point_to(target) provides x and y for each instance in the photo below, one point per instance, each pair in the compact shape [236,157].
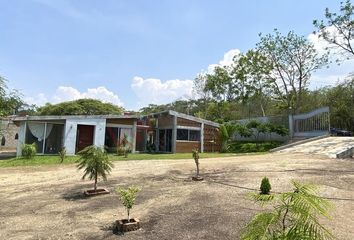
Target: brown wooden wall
[211,134]
[125,121]
[186,146]
[188,123]
[165,121]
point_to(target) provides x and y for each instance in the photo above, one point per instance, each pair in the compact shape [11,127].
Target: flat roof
[56,117]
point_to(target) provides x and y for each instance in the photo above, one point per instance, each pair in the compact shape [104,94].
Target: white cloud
[64,93]
[227,60]
[152,90]
[155,91]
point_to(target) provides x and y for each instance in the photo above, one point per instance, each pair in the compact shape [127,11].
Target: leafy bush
[29,150]
[62,154]
[127,197]
[265,186]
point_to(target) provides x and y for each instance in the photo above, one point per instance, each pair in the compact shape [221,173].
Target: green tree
[10,101]
[95,162]
[127,197]
[80,107]
[338,28]
[254,68]
[293,60]
[295,215]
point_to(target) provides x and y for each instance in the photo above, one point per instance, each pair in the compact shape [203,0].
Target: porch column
[157,140]
[21,138]
[134,136]
[291,126]
[202,138]
[174,134]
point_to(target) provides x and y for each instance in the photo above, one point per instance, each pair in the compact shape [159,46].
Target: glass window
[111,139]
[194,135]
[182,134]
[54,140]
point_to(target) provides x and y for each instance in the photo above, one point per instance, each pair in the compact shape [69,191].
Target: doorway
[165,140]
[84,136]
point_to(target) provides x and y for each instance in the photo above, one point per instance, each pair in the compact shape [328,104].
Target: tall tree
[80,107]
[254,69]
[338,28]
[293,60]
[10,101]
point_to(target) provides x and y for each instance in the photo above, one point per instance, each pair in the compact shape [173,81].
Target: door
[165,138]
[84,136]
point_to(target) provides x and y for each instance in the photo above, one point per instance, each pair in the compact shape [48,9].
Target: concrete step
[333,147]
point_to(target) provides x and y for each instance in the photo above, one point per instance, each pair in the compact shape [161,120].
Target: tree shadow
[74,196]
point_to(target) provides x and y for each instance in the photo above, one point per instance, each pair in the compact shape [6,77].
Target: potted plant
[127,197]
[95,162]
[195,153]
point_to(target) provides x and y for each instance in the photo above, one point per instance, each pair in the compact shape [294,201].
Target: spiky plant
[295,215]
[127,197]
[95,162]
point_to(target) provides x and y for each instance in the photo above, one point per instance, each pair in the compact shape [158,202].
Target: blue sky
[136,52]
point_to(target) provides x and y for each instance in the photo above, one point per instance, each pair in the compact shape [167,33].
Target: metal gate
[313,124]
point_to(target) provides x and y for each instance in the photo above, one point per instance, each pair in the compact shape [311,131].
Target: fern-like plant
[295,216]
[95,162]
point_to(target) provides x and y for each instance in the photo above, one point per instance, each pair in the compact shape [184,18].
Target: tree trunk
[95,184]
[197,168]
[128,210]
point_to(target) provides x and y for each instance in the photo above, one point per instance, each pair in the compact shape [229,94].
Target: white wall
[71,130]
[21,138]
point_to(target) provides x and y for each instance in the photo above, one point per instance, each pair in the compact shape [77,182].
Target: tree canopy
[80,107]
[338,28]
[10,101]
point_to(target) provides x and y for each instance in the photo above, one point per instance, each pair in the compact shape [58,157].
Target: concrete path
[333,147]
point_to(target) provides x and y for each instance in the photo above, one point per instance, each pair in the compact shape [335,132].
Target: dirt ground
[47,202]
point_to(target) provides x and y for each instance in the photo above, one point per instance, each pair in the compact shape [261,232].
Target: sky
[134,52]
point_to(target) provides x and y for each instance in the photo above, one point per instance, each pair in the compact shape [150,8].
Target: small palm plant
[127,197]
[124,143]
[62,154]
[95,162]
[295,215]
[195,153]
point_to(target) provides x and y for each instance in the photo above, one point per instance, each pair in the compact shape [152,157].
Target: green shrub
[127,197]
[29,150]
[248,147]
[265,186]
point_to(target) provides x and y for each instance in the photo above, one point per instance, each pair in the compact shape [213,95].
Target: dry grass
[47,203]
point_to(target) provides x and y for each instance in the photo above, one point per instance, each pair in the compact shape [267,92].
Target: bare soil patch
[48,202]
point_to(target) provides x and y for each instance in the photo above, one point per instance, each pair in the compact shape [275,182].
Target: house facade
[168,132]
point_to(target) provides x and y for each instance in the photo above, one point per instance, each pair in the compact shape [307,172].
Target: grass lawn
[54,159]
